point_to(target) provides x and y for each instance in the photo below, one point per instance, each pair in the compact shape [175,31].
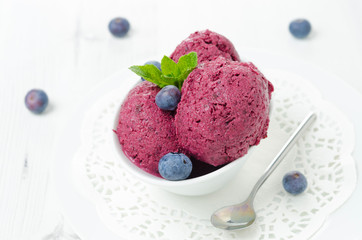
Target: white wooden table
[64,47]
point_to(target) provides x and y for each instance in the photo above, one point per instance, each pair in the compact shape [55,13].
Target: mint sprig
[172,73]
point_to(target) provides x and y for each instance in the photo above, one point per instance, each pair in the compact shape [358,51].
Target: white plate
[82,214]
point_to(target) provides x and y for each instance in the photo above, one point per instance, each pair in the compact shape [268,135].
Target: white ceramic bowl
[202,185]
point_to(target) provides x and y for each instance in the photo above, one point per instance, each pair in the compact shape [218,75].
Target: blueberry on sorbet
[168,98]
[175,166]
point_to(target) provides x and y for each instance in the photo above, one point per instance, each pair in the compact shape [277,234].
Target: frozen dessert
[208,45]
[224,109]
[145,132]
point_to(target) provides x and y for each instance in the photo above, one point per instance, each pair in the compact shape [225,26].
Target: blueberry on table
[36,100]
[294,182]
[155,63]
[300,28]
[175,166]
[119,27]
[168,98]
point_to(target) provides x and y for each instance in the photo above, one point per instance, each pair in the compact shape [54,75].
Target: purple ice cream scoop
[224,109]
[145,132]
[208,45]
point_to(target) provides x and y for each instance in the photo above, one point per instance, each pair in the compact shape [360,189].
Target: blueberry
[156,63]
[294,182]
[175,166]
[36,101]
[300,28]
[168,98]
[118,27]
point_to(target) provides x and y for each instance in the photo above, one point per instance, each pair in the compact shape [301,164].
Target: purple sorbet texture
[224,109]
[208,45]
[145,132]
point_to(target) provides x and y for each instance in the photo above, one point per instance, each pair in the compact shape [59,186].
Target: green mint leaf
[183,76]
[151,73]
[172,73]
[171,80]
[169,67]
[187,62]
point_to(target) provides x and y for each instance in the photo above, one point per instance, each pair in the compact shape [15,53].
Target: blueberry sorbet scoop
[208,45]
[224,109]
[145,132]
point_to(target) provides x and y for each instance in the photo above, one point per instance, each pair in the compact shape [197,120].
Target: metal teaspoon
[243,214]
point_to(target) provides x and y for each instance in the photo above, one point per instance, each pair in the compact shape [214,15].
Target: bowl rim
[148,177]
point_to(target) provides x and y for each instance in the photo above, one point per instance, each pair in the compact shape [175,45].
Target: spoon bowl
[236,216]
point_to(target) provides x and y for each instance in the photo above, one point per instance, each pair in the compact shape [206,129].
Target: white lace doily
[135,210]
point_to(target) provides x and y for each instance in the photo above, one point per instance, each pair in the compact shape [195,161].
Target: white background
[64,47]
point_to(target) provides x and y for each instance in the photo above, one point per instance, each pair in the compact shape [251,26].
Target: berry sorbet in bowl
[203,137]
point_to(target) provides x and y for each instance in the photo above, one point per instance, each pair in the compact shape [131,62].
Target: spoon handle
[283,152]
